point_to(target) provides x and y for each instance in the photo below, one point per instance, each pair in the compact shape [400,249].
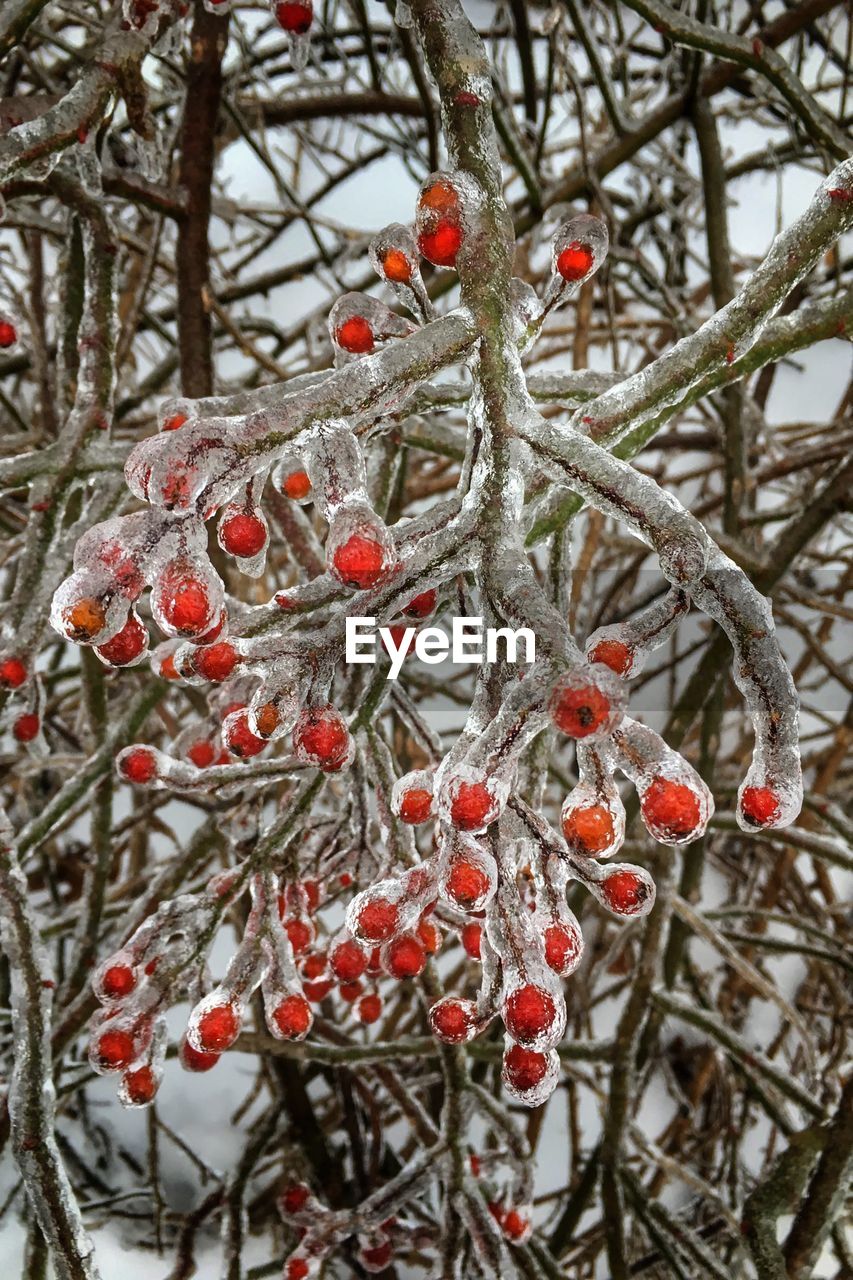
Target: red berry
[297,1269]
[126,645]
[293,1016]
[216,662]
[589,829]
[317,991]
[515,1226]
[396,266]
[562,947]
[314,965]
[377,919]
[139,765]
[140,1085]
[13,673]
[243,535]
[294,16]
[441,196]
[441,245]
[202,754]
[175,422]
[347,960]
[218,1028]
[321,738]
[472,806]
[625,892]
[369,1009]
[613,654]
[575,261]
[378,1256]
[185,601]
[8,334]
[405,957]
[26,727]
[467,884]
[355,335]
[350,991]
[193,1059]
[423,605]
[472,935]
[301,935]
[239,739]
[209,636]
[118,981]
[359,562]
[416,806]
[579,710]
[84,619]
[670,808]
[296,485]
[168,670]
[451,1019]
[115,1050]
[759,805]
[430,936]
[524,1069]
[528,1012]
[294,1198]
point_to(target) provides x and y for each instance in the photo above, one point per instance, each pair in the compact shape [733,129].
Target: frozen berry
[350,991]
[759,806]
[293,1016]
[377,1257]
[217,1028]
[524,1069]
[442,243]
[515,1226]
[423,605]
[115,1050]
[589,829]
[126,646]
[238,737]
[185,601]
[359,562]
[138,765]
[13,673]
[467,884]
[575,261]
[562,948]
[579,710]
[202,754]
[84,619]
[294,1198]
[321,738]
[140,1085]
[396,266]
[377,919]
[613,654]
[347,960]
[416,805]
[117,981]
[405,957]
[670,809]
[529,1012]
[243,535]
[296,1269]
[174,422]
[300,934]
[430,935]
[294,16]
[369,1009]
[193,1059]
[26,727]
[355,335]
[472,936]
[296,485]
[8,334]
[452,1019]
[472,806]
[215,662]
[625,892]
